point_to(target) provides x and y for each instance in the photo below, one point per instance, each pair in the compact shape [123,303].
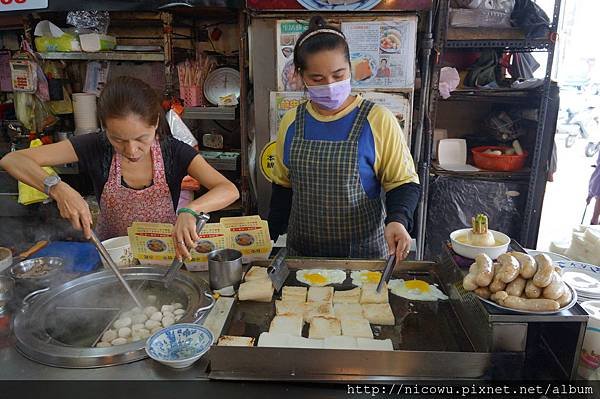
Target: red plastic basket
[500,163]
[192,95]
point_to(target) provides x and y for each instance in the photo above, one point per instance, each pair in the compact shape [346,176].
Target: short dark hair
[124,95]
[318,42]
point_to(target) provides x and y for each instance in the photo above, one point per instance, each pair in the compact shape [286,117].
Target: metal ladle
[104,254]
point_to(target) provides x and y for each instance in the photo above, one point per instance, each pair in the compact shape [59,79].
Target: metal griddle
[429,339]
[61,326]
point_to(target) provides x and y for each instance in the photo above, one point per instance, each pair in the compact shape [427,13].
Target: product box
[152,243]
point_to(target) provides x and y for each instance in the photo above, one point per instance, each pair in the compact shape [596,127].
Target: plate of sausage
[521,283]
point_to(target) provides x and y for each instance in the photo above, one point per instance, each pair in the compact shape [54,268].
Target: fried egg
[320,277]
[359,277]
[417,290]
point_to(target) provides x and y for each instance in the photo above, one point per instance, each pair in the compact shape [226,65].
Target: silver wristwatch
[49,182]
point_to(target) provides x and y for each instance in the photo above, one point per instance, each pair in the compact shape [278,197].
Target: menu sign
[20,5]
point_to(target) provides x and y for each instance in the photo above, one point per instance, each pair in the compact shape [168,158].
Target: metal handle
[202,312]
[105,255]
[29,298]
[387,272]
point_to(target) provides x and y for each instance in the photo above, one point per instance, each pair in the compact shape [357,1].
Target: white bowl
[179,345]
[471,251]
[6,258]
[119,250]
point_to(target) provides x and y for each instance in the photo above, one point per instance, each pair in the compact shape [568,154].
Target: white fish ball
[119,341]
[123,322]
[150,310]
[103,344]
[143,333]
[167,309]
[179,312]
[109,335]
[151,299]
[178,317]
[177,305]
[135,338]
[150,324]
[139,318]
[156,316]
[125,314]
[168,314]
[135,311]
[155,329]
[167,321]
[136,327]
[124,332]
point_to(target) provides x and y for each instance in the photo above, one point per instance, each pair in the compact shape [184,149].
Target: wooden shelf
[484,34]
[476,38]
[505,95]
[105,56]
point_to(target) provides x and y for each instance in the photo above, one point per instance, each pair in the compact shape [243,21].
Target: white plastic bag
[179,129]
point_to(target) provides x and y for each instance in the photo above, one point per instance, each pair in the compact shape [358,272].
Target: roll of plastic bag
[179,129]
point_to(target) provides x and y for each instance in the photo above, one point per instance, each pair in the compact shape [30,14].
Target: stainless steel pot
[59,326]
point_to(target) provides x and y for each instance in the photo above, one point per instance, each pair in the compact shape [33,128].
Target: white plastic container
[119,250]
[589,361]
[471,251]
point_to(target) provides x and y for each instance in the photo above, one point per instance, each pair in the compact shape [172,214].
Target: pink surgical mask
[330,96]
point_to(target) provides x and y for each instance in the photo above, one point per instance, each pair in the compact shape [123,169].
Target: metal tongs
[113,267]
[387,272]
[176,265]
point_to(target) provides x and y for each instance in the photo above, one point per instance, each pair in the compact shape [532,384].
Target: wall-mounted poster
[382,52]
[339,5]
[398,103]
[287,35]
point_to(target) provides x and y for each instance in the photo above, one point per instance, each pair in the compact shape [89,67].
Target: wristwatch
[49,182]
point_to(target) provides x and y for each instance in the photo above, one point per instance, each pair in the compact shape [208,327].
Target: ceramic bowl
[471,251]
[180,345]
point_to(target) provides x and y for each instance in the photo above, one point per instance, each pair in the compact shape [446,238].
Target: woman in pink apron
[135,165]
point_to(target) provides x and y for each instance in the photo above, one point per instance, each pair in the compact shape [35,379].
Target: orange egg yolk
[417,285]
[371,277]
[315,278]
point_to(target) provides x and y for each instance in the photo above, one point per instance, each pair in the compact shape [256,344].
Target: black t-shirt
[95,156]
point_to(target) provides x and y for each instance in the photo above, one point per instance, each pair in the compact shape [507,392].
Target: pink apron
[121,206]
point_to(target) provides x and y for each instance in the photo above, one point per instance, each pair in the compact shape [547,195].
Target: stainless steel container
[224,268]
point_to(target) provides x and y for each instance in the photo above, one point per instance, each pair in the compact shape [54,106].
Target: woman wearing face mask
[135,165]
[335,155]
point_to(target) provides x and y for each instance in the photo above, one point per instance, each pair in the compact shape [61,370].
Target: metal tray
[566,307]
[429,339]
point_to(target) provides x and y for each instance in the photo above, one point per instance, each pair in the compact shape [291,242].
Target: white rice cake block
[256,273]
[323,327]
[305,343]
[320,294]
[294,294]
[273,340]
[379,313]
[287,308]
[230,340]
[359,328]
[368,294]
[344,310]
[375,344]
[317,309]
[340,342]
[291,325]
[349,296]
[256,290]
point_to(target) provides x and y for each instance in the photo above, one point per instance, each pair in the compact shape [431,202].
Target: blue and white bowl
[179,345]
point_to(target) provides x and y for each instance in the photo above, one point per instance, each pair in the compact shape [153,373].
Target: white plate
[221,82]
[583,277]
[567,306]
